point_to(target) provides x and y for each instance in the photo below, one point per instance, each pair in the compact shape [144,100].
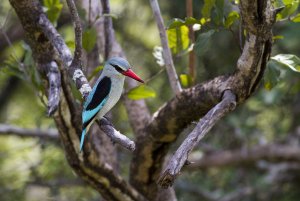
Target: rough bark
[88,165]
[155,134]
[175,115]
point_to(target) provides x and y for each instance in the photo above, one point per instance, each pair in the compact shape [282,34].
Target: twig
[77,60]
[155,75]
[180,157]
[115,135]
[75,69]
[62,182]
[50,134]
[173,78]
[192,56]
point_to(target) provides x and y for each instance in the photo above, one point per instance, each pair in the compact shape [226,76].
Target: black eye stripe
[120,70]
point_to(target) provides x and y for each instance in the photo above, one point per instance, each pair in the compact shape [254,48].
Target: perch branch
[173,78]
[180,157]
[115,135]
[50,134]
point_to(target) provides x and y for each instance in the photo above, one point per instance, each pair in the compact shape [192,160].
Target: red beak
[131,74]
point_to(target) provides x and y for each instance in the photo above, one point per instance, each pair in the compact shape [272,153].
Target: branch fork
[180,158]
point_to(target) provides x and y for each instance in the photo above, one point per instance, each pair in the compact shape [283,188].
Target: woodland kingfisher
[106,92]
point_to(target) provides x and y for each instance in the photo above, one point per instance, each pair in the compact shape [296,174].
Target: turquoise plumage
[106,92]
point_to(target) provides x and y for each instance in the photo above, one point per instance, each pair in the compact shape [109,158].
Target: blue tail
[82,138]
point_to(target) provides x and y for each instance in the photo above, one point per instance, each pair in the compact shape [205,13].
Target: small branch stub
[54,86]
[179,159]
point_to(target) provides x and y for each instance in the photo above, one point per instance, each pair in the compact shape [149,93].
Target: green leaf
[271,76]
[286,2]
[206,10]
[278,37]
[89,39]
[202,42]
[71,45]
[296,18]
[11,67]
[141,92]
[185,80]
[290,7]
[174,23]
[219,11]
[288,60]
[53,9]
[178,39]
[95,72]
[232,16]
[191,21]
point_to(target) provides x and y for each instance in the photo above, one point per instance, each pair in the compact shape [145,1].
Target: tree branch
[77,60]
[246,157]
[65,56]
[109,34]
[50,134]
[173,78]
[192,55]
[115,135]
[180,157]
[75,69]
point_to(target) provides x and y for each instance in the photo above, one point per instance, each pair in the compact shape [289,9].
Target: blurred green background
[35,169]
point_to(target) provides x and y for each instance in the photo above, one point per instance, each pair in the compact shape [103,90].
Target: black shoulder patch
[100,94]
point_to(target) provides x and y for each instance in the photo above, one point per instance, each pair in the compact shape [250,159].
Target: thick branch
[173,78]
[180,157]
[50,134]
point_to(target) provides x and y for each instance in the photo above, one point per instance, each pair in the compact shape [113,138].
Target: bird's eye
[120,70]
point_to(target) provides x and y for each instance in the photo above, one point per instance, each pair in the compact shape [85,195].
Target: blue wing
[94,102]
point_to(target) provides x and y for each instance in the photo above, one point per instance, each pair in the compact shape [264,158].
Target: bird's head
[118,65]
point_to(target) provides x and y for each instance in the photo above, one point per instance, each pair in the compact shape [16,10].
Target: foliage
[271,115]
[53,9]
[89,39]
[141,92]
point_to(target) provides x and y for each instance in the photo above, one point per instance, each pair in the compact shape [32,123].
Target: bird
[106,92]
